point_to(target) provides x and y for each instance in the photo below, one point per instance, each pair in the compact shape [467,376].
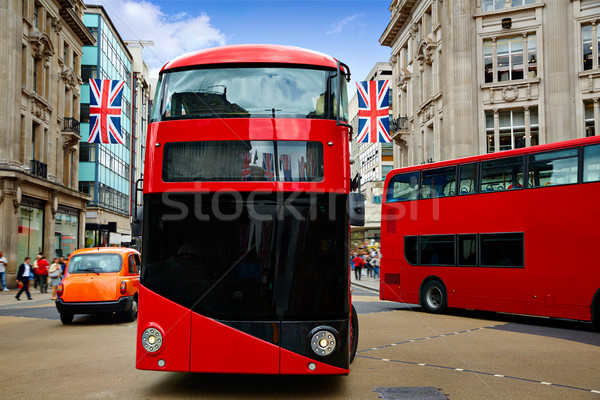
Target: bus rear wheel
[433,297]
[353,334]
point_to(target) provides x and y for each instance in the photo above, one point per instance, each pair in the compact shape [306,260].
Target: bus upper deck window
[502,174]
[553,168]
[403,187]
[439,182]
[591,163]
[467,183]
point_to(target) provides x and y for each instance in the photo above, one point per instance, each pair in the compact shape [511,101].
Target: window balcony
[70,131]
[39,169]
[71,125]
[398,126]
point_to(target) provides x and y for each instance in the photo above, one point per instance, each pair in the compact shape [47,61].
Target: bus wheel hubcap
[434,297]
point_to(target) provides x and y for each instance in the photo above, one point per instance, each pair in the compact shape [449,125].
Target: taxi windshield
[94,263]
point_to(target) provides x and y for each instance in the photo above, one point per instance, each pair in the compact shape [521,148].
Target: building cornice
[73,21]
[400,14]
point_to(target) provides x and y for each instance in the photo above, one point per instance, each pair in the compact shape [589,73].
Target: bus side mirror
[356,209]
[136,223]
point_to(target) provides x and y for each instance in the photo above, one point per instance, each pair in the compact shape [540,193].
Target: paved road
[403,353]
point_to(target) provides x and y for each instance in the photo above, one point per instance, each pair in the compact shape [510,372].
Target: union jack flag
[268,166]
[105,111]
[285,161]
[373,112]
[246,170]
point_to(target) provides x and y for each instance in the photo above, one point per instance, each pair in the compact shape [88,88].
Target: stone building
[41,208]
[480,76]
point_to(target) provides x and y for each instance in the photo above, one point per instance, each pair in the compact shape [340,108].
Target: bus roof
[252,53]
[501,154]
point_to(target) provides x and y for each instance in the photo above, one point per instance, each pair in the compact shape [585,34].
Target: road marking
[483,373]
[427,338]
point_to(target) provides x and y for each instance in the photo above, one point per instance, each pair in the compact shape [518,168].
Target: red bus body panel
[174,322]
[243,54]
[324,131]
[561,273]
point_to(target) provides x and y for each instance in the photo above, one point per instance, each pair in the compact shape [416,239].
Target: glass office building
[104,169]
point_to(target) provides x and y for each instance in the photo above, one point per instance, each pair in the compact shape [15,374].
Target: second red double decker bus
[514,231]
[245,265]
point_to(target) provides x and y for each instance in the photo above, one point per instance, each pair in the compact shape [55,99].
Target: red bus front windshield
[252,92]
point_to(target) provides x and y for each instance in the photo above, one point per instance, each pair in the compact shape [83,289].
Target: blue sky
[347,30]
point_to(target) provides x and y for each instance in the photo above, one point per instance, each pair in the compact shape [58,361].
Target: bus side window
[439,182]
[403,187]
[502,250]
[467,183]
[411,250]
[591,163]
[467,250]
[553,168]
[502,174]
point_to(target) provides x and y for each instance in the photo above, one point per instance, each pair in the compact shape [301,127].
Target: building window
[89,72]
[30,236]
[518,3]
[35,15]
[590,124]
[507,55]
[492,5]
[513,130]
[36,67]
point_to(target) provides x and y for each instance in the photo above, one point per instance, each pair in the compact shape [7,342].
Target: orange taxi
[100,280]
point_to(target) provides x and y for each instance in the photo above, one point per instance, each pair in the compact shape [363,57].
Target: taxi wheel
[131,315]
[66,319]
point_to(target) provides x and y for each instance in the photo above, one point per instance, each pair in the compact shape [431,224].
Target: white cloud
[173,35]
[339,25]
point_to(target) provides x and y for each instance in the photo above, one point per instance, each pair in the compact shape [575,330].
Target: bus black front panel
[263,257]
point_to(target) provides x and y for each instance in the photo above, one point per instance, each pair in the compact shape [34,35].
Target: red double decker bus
[513,232]
[245,264]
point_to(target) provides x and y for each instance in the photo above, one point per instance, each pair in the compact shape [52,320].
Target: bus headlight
[152,340]
[323,341]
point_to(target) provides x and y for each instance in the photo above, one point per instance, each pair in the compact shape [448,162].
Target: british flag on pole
[105,111]
[373,112]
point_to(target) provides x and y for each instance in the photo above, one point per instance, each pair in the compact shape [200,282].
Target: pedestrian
[42,272]
[63,264]
[3,265]
[375,263]
[358,264]
[23,275]
[36,278]
[54,273]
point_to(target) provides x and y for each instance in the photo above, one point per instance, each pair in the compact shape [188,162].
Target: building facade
[481,76]
[105,169]
[373,161]
[41,208]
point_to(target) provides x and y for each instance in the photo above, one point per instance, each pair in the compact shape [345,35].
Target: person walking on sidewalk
[358,265]
[54,273]
[25,270]
[3,265]
[42,271]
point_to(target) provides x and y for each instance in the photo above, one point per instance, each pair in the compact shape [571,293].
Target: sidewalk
[8,298]
[365,282]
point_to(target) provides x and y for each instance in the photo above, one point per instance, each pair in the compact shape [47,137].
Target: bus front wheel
[353,334]
[433,297]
